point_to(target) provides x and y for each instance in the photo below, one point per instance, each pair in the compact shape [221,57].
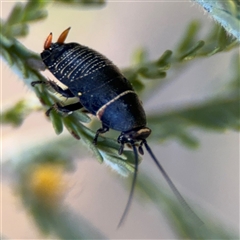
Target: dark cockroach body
[99,85]
[103,91]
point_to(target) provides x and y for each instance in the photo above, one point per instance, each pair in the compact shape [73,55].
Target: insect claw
[95,140]
[47,113]
[120,150]
[140,150]
[55,107]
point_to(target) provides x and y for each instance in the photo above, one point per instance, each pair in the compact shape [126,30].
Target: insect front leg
[64,92]
[101,130]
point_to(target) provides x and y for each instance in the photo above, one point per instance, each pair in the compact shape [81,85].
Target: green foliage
[226,13]
[188,49]
[16,25]
[216,114]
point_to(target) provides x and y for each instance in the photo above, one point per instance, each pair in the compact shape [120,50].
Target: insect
[104,92]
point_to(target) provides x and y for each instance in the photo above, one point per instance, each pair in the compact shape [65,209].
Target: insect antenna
[132,186]
[172,186]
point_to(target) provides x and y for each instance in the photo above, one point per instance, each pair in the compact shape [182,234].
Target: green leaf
[16,14]
[164,61]
[224,12]
[192,52]
[189,38]
[139,56]
[56,120]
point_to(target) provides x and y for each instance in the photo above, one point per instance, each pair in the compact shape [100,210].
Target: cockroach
[104,92]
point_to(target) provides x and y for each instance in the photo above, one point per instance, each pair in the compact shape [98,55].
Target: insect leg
[103,129]
[37,82]
[65,109]
[64,92]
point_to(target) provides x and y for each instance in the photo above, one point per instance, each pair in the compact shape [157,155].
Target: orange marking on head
[48,42]
[63,36]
